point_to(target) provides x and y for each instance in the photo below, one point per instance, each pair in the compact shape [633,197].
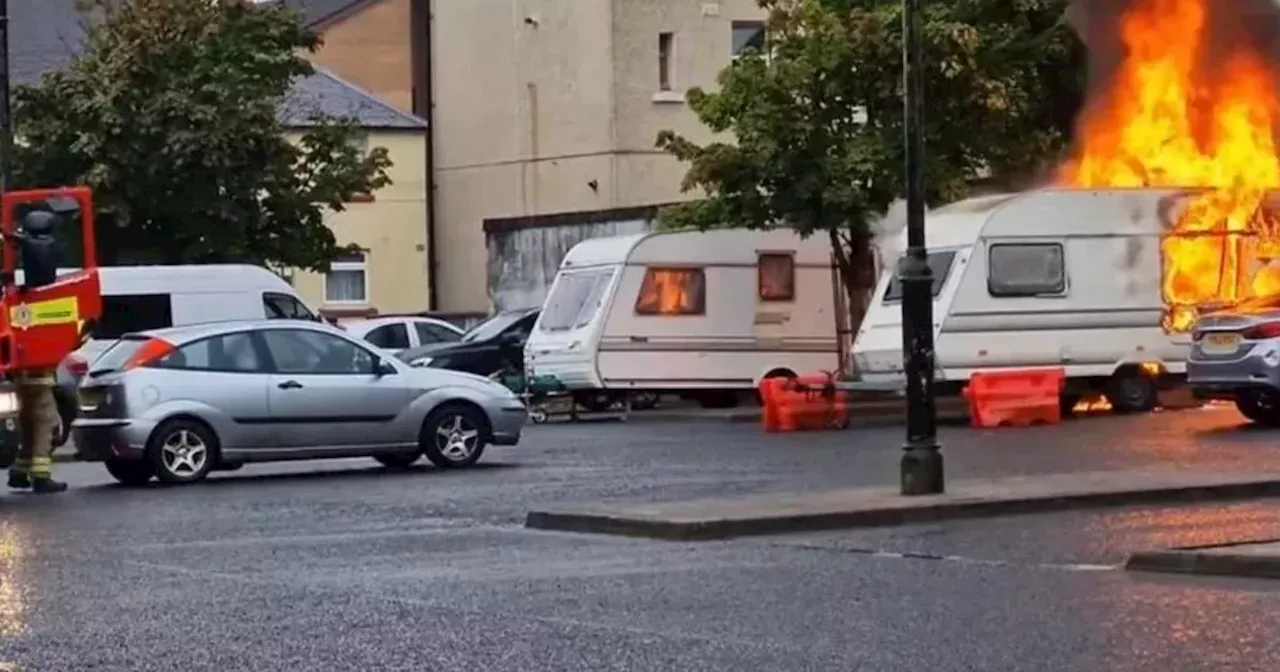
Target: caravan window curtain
[672,291]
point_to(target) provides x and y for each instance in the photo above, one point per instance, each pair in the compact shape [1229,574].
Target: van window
[125,313]
[391,336]
[776,276]
[672,291]
[284,307]
[575,299]
[939,264]
[1026,269]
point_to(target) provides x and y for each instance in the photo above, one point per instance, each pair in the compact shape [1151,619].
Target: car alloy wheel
[456,438]
[454,435]
[183,451]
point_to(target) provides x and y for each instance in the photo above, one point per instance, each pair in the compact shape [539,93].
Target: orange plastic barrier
[803,403]
[1015,398]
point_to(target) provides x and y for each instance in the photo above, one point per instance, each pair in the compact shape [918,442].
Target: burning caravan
[705,313]
[1070,278]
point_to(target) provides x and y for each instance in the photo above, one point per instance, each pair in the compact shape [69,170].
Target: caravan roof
[1047,212]
[720,246]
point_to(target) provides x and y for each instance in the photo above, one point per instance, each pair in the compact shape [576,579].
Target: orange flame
[1174,116]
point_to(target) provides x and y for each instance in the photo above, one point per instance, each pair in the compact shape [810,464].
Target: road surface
[343,566]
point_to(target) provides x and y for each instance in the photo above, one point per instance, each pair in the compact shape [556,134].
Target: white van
[137,298]
[712,312]
[1041,279]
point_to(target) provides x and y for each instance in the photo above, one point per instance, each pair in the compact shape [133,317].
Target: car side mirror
[384,368]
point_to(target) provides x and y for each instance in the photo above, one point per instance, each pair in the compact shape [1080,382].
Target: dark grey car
[1235,355]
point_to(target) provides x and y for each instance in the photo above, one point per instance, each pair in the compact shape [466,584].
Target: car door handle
[290,385]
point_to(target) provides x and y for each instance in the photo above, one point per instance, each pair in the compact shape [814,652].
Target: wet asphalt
[341,565]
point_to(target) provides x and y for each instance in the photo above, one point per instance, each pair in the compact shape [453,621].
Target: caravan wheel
[1132,392]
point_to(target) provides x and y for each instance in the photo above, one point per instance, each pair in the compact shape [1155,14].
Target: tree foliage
[171,113]
[810,134]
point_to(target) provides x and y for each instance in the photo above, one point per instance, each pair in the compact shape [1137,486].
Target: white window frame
[350,267]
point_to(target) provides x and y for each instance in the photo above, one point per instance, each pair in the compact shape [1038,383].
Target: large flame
[1175,115]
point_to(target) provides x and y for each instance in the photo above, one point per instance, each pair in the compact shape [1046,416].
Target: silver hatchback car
[176,403]
[1235,355]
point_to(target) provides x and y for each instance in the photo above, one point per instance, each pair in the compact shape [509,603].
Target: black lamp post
[921,471]
[6,118]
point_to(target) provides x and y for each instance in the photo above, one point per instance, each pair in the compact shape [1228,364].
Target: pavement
[876,506]
[341,565]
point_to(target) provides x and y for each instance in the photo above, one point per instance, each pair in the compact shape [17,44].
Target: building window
[672,291]
[347,280]
[748,35]
[776,276]
[1026,269]
[666,45]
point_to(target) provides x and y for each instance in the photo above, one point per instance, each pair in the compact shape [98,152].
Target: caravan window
[672,291]
[776,276]
[1026,269]
[575,299]
[939,264]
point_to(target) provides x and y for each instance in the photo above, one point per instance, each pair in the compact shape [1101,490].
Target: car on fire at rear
[176,403]
[1235,356]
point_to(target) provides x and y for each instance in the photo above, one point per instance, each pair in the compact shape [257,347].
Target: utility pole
[6,116]
[921,467]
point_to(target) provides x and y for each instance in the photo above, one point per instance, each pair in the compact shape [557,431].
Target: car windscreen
[575,300]
[939,265]
[115,356]
[492,327]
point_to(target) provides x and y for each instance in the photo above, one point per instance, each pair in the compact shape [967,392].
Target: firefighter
[37,410]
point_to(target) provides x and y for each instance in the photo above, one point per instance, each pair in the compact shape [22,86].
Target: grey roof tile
[324,93]
[319,11]
[45,34]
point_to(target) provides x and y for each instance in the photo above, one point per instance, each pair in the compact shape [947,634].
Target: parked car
[138,298]
[397,333]
[1235,356]
[176,403]
[495,345]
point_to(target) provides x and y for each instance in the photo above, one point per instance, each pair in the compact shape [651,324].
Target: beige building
[540,106]
[389,273]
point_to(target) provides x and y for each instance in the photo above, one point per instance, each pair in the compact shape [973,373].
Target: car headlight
[421,361]
[8,403]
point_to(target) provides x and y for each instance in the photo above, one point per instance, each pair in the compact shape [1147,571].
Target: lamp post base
[921,471]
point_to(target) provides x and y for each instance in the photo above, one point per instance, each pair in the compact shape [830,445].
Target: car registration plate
[1220,343]
[90,398]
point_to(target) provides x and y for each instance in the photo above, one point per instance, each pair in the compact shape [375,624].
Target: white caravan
[1042,279]
[710,312]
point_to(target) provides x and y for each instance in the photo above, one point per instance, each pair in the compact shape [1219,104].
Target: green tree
[170,112]
[810,132]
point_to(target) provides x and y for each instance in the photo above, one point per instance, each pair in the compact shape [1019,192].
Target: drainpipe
[424,103]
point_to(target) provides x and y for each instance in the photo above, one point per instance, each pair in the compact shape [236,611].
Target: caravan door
[563,342]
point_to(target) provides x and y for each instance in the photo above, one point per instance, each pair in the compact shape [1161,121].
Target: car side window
[229,353]
[434,333]
[297,351]
[391,336]
[284,307]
